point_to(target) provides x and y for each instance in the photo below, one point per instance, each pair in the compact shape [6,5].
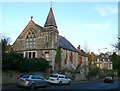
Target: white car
[59,79]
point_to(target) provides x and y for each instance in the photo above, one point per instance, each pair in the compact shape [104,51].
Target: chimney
[78,48]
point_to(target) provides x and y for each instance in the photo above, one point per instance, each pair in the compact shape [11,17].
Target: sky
[92,25]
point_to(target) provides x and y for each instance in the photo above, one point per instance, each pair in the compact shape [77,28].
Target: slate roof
[64,43]
[50,21]
[40,27]
[101,58]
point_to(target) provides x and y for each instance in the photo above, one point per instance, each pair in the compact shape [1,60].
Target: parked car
[59,79]
[31,81]
[108,79]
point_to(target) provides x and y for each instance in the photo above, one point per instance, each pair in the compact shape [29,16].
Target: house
[36,41]
[103,62]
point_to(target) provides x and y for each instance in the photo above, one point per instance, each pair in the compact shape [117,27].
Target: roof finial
[51,3]
[31,17]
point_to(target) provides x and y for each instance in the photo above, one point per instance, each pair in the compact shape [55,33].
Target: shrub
[94,71]
[15,61]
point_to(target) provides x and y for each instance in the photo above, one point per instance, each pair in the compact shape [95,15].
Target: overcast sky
[89,24]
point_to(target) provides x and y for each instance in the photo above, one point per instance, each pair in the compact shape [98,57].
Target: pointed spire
[51,3]
[50,21]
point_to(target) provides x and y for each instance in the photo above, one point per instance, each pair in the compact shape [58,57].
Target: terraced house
[36,41]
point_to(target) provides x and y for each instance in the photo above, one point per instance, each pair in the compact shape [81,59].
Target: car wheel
[46,85]
[69,83]
[32,86]
[112,81]
[104,81]
[60,83]
[18,86]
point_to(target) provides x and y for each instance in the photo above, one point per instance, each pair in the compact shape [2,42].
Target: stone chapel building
[36,41]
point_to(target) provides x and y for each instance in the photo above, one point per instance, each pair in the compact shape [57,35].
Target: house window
[46,38]
[98,60]
[33,54]
[47,55]
[71,57]
[30,40]
[30,54]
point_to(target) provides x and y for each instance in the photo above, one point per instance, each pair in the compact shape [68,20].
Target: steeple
[50,21]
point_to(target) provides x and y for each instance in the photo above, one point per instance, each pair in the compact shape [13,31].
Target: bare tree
[86,49]
[117,45]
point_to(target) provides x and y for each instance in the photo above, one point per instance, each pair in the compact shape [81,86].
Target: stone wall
[11,76]
[76,77]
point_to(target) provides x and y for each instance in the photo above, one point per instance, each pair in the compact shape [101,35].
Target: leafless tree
[117,45]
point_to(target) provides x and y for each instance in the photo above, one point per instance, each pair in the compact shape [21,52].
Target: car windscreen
[53,75]
[25,76]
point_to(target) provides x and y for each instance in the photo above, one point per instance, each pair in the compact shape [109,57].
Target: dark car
[108,79]
[31,81]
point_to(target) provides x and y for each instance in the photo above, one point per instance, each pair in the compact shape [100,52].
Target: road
[89,86]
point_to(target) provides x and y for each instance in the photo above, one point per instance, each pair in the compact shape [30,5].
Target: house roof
[82,53]
[39,27]
[102,58]
[64,43]
[50,21]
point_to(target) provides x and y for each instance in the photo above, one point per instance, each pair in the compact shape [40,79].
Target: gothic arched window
[30,40]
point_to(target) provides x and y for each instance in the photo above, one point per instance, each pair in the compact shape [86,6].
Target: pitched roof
[64,43]
[82,53]
[50,21]
[101,58]
[39,27]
